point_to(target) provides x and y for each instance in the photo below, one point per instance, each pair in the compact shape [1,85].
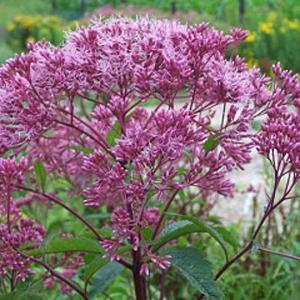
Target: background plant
[25,29]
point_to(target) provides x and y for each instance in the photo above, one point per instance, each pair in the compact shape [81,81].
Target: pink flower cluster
[139,158]
[19,231]
[69,262]
[279,139]
[12,172]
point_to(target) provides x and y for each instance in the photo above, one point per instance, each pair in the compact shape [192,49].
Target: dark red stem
[55,274]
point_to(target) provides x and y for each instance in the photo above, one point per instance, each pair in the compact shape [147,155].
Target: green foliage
[174,231]
[104,277]
[40,174]
[204,227]
[33,291]
[24,29]
[113,134]
[92,267]
[195,267]
[60,245]
[82,149]
[8,9]
[273,38]
[210,144]
[192,225]
[227,236]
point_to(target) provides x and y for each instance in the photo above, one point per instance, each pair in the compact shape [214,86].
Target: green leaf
[188,154]
[147,233]
[195,267]
[228,237]
[89,257]
[181,171]
[181,195]
[174,231]
[204,227]
[211,143]
[60,245]
[82,149]
[216,220]
[93,266]
[187,226]
[28,245]
[113,134]
[255,125]
[104,277]
[29,292]
[40,174]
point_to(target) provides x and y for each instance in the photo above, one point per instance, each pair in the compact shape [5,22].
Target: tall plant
[78,111]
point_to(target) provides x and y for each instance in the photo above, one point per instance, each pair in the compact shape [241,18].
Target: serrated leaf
[104,277]
[204,227]
[187,226]
[174,231]
[210,144]
[113,134]
[196,268]
[60,245]
[82,149]
[40,174]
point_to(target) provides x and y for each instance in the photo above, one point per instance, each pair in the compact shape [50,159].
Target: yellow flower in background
[53,20]
[18,18]
[292,24]
[10,26]
[251,63]
[251,37]
[25,29]
[23,215]
[266,27]
[73,25]
[30,39]
[27,22]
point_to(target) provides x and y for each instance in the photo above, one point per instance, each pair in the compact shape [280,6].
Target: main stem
[139,280]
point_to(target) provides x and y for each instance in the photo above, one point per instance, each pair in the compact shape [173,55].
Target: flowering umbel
[83,109]
[17,232]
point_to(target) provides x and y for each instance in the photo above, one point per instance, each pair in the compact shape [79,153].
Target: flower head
[21,230]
